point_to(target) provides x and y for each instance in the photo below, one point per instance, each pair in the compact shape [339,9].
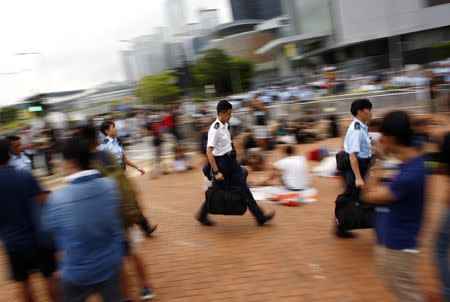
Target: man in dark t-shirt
[443,235]
[18,230]
[399,198]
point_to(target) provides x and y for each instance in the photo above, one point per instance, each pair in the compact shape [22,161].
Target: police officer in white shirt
[224,164]
[17,158]
[358,146]
[358,153]
[113,145]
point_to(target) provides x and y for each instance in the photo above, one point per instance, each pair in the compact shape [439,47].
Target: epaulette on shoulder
[216,125]
[357,126]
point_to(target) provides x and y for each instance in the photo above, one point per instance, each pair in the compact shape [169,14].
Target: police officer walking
[358,146]
[225,166]
[113,145]
[357,158]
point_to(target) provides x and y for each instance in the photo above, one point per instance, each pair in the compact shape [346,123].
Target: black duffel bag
[226,200]
[342,161]
[352,214]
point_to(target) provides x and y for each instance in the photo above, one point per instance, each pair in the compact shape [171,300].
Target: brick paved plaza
[295,258]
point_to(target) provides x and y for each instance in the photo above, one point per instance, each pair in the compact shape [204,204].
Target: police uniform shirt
[113,146]
[219,138]
[21,162]
[357,140]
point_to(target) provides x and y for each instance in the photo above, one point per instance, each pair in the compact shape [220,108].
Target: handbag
[352,215]
[226,200]
[342,161]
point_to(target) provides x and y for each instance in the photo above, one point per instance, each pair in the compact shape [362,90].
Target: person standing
[399,197]
[225,167]
[130,212]
[18,191]
[17,157]
[355,160]
[443,235]
[84,219]
[358,147]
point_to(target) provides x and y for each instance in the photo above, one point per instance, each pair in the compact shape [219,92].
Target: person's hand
[359,183]
[141,170]
[219,176]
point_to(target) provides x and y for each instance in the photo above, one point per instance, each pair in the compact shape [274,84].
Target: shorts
[24,262]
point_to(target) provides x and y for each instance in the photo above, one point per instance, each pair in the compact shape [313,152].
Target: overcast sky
[78,41]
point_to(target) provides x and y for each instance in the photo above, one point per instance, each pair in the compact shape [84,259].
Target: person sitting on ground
[291,170]
[248,143]
[182,161]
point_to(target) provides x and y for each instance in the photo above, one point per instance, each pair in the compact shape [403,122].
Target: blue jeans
[442,253]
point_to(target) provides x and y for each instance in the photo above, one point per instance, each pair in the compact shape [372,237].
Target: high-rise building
[255,9]
[149,53]
[192,29]
[175,17]
[209,18]
[174,54]
[129,66]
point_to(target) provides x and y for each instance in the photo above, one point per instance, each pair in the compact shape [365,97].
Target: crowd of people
[78,237]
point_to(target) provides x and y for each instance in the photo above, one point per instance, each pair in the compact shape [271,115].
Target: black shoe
[266,218]
[340,233]
[204,221]
[147,228]
[147,293]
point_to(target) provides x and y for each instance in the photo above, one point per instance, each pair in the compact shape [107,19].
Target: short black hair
[4,151]
[89,133]
[223,106]
[289,150]
[398,125]
[105,126]
[13,138]
[79,150]
[360,104]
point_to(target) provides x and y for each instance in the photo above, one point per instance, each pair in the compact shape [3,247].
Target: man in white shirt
[293,170]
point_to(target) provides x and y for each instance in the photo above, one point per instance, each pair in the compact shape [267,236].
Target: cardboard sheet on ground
[281,195]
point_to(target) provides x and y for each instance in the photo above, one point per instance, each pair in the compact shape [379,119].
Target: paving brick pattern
[295,258]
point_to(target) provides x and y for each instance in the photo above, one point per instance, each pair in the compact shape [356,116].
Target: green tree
[227,73]
[243,72]
[439,51]
[8,114]
[159,88]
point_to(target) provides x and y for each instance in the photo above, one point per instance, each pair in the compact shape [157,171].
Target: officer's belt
[229,155]
[365,160]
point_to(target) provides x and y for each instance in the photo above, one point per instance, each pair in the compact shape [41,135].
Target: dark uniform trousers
[350,188]
[234,175]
